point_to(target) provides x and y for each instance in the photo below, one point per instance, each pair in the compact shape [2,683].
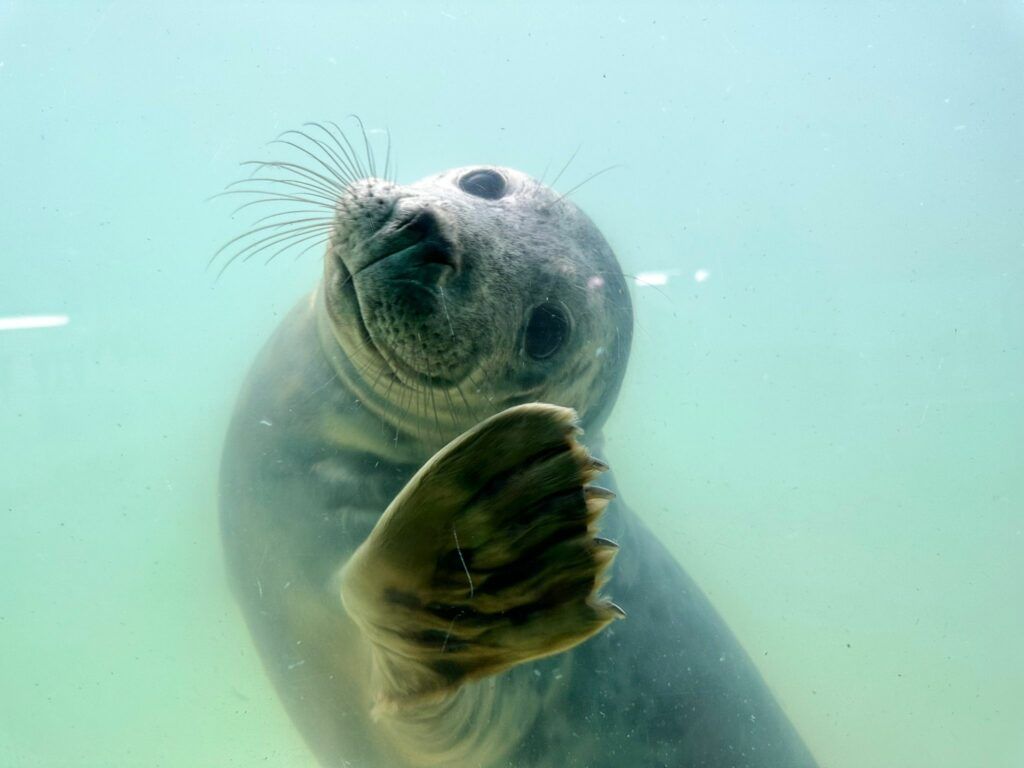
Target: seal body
[410,520]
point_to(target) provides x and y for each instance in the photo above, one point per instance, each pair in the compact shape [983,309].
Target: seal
[409,517]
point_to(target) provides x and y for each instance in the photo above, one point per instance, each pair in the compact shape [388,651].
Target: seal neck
[368,425]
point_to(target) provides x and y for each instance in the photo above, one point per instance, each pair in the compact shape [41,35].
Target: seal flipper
[486,559]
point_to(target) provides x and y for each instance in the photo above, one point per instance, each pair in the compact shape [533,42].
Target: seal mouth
[387,358]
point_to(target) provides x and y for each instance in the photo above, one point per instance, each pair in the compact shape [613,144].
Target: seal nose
[418,241]
[422,227]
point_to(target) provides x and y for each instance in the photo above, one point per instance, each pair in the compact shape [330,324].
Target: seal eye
[490,185]
[546,331]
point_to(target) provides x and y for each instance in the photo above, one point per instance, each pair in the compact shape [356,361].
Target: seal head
[468,292]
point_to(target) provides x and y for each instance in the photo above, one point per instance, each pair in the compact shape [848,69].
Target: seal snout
[421,229]
[412,246]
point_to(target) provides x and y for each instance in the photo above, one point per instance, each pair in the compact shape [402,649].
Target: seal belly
[293,508]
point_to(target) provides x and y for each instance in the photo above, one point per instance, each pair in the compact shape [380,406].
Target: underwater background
[821,208]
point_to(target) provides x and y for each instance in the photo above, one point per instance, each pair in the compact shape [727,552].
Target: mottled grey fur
[382,655]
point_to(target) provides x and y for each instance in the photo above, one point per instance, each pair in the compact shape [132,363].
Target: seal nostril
[437,254]
[412,227]
[423,222]
[414,244]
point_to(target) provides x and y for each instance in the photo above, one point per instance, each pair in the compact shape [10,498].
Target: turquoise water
[823,414]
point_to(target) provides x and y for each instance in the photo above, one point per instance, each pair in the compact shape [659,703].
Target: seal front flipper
[486,559]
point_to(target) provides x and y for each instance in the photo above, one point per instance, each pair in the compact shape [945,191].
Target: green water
[826,427]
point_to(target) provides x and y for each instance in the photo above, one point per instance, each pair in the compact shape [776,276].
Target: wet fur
[417,604]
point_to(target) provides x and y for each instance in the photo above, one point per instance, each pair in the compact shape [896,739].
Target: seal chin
[411,376]
[366,316]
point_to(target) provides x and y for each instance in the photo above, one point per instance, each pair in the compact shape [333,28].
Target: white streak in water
[25,322]
[651,278]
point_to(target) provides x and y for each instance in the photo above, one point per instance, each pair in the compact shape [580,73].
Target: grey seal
[409,514]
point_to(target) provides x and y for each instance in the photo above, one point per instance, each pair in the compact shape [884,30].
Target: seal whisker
[480,390]
[584,287]
[382,367]
[366,143]
[278,198]
[547,166]
[332,377]
[423,429]
[339,181]
[283,229]
[273,225]
[387,155]
[276,238]
[323,199]
[437,420]
[293,212]
[327,185]
[451,405]
[352,150]
[376,377]
[256,230]
[334,167]
[361,346]
[363,372]
[430,390]
[315,191]
[349,161]
[387,396]
[321,210]
[471,413]
[316,243]
[406,397]
[591,177]
[444,306]
[387,399]
[290,241]
[339,156]
[425,396]
[289,169]
[639,281]
[259,195]
[567,164]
